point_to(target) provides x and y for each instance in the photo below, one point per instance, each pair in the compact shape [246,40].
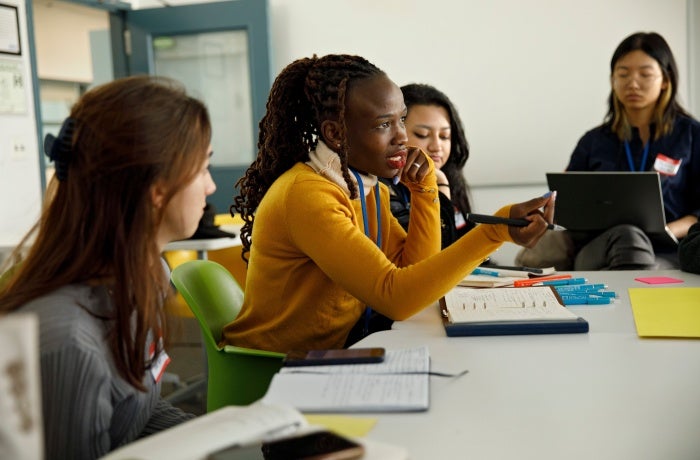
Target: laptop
[596,201]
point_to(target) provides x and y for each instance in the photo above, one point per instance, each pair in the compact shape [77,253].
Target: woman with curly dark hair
[323,249]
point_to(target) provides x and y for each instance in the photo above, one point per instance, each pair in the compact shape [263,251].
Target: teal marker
[564,282]
[585,299]
[482,271]
[580,288]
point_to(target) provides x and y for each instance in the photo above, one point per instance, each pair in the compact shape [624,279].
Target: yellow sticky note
[355,427]
[666,312]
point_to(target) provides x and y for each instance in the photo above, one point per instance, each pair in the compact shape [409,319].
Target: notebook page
[505,304]
[402,361]
[350,392]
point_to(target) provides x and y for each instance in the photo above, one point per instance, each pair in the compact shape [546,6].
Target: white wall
[693,58]
[20,182]
[63,44]
[528,77]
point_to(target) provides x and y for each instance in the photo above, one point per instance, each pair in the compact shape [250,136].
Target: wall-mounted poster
[9,30]
[13,97]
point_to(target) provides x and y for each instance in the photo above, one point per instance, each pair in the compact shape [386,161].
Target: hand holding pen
[488,219]
[531,219]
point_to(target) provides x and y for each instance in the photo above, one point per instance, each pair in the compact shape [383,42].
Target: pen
[482,271]
[534,281]
[532,270]
[487,219]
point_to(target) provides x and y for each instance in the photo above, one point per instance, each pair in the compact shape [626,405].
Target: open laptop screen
[595,201]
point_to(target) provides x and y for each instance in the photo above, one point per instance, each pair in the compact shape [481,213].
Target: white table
[603,395]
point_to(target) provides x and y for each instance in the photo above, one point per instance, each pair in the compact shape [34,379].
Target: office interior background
[528,78]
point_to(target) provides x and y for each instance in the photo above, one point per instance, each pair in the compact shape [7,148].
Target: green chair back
[235,375]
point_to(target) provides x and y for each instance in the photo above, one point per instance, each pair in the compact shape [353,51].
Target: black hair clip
[58,149]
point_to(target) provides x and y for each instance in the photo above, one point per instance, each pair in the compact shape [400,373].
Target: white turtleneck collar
[327,163]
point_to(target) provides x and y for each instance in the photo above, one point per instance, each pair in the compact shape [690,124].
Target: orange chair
[179,307]
[230,257]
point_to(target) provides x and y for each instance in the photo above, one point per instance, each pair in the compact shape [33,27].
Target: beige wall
[62,38]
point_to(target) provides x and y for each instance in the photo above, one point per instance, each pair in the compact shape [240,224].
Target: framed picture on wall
[9,30]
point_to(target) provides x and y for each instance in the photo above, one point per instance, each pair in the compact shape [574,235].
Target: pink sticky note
[658,280]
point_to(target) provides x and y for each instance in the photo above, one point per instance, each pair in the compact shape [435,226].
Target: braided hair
[422,94]
[307,92]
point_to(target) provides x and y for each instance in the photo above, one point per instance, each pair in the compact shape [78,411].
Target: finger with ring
[417,165]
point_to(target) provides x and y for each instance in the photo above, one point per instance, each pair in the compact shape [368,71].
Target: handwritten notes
[400,383]
[532,303]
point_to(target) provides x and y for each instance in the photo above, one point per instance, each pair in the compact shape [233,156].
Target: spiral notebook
[507,311]
[400,383]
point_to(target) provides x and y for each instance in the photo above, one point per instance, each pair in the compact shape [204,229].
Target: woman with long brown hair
[131,175]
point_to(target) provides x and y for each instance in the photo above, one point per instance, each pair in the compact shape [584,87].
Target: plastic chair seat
[236,375]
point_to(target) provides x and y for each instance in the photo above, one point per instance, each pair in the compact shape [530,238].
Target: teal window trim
[249,14]
[37,95]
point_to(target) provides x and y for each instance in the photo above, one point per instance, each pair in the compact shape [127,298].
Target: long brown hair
[100,224]
[306,92]
[422,94]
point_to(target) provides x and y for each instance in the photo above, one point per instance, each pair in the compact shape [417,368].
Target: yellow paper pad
[666,312]
[355,427]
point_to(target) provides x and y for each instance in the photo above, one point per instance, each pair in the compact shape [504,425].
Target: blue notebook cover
[518,326]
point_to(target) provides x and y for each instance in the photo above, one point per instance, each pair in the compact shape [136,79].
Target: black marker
[487,219]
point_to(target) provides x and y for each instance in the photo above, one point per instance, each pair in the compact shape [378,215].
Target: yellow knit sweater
[313,270]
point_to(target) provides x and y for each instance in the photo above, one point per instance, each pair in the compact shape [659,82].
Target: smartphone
[336,356]
[319,445]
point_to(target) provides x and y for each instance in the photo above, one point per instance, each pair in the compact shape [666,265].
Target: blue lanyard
[406,199]
[630,162]
[363,203]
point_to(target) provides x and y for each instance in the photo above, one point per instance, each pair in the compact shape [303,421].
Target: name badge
[158,364]
[667,166]
[459,219]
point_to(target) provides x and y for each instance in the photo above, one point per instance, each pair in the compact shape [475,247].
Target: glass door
[219,51]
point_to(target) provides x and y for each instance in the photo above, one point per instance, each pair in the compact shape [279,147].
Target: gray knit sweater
[689,250]
[88,408]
